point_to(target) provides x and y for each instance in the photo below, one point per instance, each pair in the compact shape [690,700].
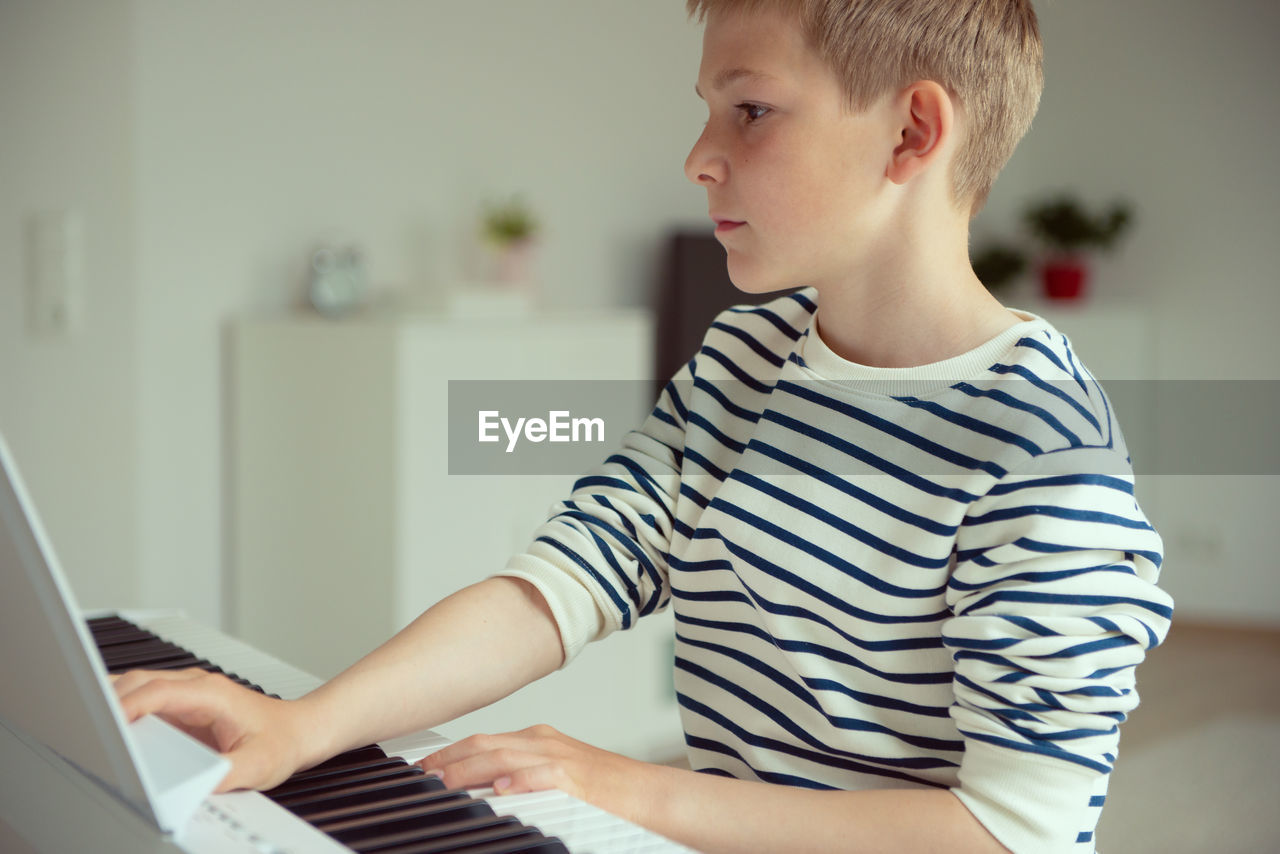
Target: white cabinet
[346,523]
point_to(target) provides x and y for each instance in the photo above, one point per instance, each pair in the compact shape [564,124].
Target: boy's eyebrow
[729,75]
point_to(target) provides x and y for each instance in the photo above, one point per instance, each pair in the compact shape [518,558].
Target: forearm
[712,813]
[470,649]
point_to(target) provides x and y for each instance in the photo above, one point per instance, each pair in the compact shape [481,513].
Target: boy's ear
[926,119]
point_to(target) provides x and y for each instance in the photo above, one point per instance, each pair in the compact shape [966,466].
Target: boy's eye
[752,112]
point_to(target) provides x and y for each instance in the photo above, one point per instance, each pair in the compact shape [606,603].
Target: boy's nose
[703,166]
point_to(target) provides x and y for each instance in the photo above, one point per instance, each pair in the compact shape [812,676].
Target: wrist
[659,786]
[311,730]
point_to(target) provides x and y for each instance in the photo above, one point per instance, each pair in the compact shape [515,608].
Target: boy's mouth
[726,225]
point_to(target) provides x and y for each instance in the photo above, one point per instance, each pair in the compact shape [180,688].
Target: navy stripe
[876,462]
[973,425]
[1038,577]
[1078,599]
[1095,517]
[1049,388]
[1001,396]
[846,486]
[1106,481]
[817,752]
[1052,751]
[713,390]
[752,344]
[734,370]
[803,584]
[825,555]
[752,597]
[841,722]
[781,325]
[890,428]
[829,653]
[618,601]
[618,540]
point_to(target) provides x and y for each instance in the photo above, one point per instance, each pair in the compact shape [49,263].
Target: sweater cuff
[1029,803]
[577,616]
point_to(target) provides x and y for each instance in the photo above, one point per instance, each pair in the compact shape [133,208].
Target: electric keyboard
[370,799]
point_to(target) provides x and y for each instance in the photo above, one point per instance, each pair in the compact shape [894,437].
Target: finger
[190,703]
[134,679]
[532,740]
[538,778]
[252,768]
[481,769]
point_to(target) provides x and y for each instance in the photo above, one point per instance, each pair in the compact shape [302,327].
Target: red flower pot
[1064,279]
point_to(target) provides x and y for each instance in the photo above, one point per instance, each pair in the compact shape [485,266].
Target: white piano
[47,805]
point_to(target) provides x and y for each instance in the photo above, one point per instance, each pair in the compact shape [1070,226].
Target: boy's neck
[914,301]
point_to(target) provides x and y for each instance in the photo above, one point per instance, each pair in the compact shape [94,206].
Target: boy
[894,518]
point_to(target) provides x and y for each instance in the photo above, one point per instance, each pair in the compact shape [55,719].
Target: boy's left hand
[539,758]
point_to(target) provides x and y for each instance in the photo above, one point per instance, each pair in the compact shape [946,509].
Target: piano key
[340,779]
[365,793]
[345,767]
[115,637]
[357,754]
[434,807]
[181,663]
[465,819]
[516,839]
[550,813]
[537,843]
[148,658]
[134,646]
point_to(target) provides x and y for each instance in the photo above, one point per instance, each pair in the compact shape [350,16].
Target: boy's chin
[751,280]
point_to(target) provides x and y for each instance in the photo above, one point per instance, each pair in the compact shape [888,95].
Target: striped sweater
[933,576]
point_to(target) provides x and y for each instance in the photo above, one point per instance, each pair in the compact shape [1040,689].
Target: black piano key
[439,813]
[142,659]
[333,770]
[98,624]
[532,841]
[385,805]
[136,648]
[362,794]
[340,779]
[453,836]
[370,751]
[465,817]
[180,663]
[116,637]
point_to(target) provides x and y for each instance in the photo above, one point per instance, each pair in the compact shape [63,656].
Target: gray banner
[1171,427]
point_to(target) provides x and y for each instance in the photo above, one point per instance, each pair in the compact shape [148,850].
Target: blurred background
[169,168]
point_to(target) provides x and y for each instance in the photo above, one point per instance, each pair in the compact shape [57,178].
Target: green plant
[1063,224]
[509,222]
[997,264]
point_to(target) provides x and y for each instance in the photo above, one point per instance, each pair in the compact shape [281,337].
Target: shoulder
[767,333]
[1042,385]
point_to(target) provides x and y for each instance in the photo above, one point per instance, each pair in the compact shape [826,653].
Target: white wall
[1171,103]
[264,129]
[211,146]
[68,405]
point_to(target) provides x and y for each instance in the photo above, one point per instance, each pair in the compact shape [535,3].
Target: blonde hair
[986,53]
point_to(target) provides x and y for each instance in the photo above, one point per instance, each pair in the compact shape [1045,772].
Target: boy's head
[985,53]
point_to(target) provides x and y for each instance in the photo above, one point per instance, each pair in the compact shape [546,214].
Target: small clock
[337,285]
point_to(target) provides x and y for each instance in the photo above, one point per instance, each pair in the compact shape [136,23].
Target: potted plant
[509,229]
[1067,232]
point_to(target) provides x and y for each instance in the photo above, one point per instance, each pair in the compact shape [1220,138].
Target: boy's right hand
[265,739]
